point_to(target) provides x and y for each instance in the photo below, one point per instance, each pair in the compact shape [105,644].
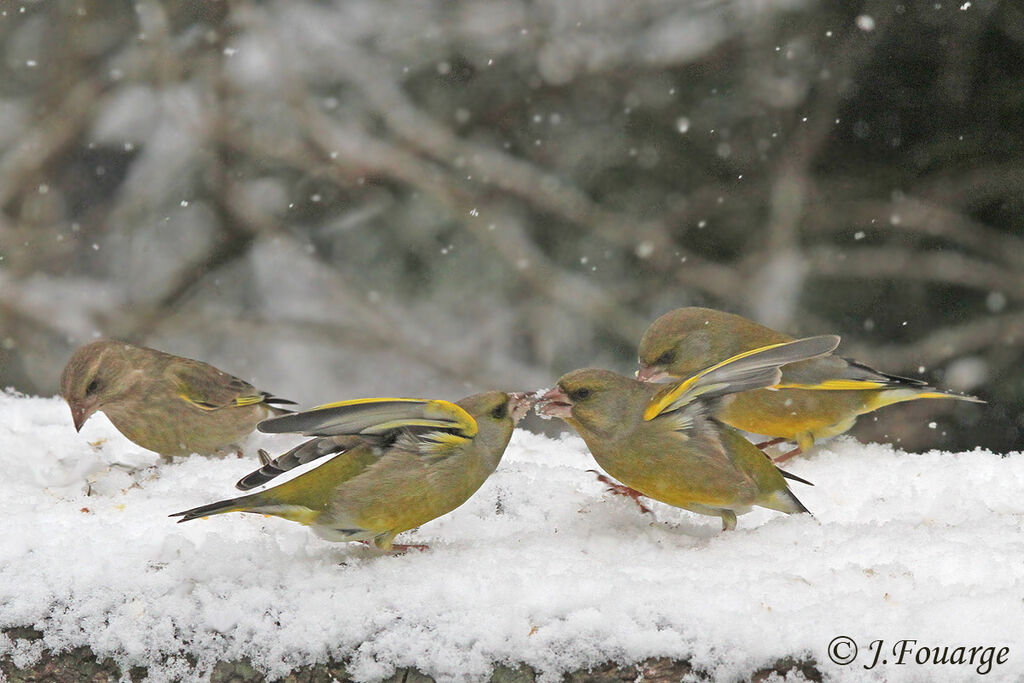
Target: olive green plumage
[168,404]
[664,442]
[397,464]
[818,398]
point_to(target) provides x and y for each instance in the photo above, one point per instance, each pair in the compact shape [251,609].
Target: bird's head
[94,376]
[679,343]
[496,414]
[598,401]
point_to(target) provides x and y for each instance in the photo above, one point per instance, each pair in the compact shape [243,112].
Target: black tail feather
[801,508]
[275,404]
[206,510]
[893,380]
[277,400]
[793,477]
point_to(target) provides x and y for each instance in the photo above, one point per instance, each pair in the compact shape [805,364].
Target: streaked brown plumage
[166,403]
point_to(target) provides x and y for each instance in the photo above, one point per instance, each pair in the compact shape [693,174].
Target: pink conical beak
[521,402]
[554,403]
[79,414]
[651,373]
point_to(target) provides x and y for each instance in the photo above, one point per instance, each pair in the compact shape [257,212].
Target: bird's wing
[308,451]
[206,387]
[752,369]
[833,373]
[375,416]
[420,427]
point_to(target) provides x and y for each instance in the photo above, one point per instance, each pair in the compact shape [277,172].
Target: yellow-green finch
[168,404]
[815,399]
[397,463]
[664,442]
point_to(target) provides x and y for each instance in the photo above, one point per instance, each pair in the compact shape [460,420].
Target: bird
[165,403]
[816,399]
[664,441]
[397,463]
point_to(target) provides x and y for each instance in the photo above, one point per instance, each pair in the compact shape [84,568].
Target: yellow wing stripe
[436,413]
[836,385]
[239,402]
[360,401]
[448,410]
[440,444]
[656,407]
[202,405]
[409,422]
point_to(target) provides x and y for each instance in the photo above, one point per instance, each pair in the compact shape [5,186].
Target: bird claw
[618,489]
[399,548]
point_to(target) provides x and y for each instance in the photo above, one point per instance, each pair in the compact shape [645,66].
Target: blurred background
[341,198]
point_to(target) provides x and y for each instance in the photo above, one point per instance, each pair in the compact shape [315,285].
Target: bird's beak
[652,373]
[520,403]
[79,414]
[554,403]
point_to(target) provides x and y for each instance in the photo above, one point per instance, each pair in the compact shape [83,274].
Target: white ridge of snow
[541,566]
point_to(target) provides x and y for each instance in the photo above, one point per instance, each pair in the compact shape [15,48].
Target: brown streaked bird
[397,463]
[664,441]
[166,403]
[816,399]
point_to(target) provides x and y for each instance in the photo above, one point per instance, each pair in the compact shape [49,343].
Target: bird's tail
[257,503]
[790,475]
[783,500]
[274,403]
[887,397]
[220,507]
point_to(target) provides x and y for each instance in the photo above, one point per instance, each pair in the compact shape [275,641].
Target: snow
[541,566]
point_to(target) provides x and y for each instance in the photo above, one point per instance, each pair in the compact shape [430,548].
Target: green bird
[815,399]
[664,441]
[397,463]
[168,404]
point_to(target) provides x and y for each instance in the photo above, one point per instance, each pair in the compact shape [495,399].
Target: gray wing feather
[358,418]
[754,371]
[834,367]
[761,369]
[311,450]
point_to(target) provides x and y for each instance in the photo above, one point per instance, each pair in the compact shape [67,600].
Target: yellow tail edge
[891,396]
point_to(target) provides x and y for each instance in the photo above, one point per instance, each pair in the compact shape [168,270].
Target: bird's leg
[770,442]
[728,520]
[399,548]
[786,456]
[622,490]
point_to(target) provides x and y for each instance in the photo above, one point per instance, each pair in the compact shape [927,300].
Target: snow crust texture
[540,567]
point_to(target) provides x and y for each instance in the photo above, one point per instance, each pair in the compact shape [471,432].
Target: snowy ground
[540,566]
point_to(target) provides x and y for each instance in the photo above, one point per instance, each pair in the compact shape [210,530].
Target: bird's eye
[501,412]
[93,387]
[580,394]
[666,358]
